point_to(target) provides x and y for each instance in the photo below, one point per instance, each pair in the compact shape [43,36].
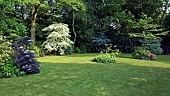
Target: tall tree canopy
[85,18]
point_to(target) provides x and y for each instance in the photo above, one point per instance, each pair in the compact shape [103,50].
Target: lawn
[77,75]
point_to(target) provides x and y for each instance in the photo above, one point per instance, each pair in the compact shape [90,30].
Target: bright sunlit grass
[77,75]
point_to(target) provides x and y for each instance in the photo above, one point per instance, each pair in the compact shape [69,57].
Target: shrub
[10,70]
[108,56]
[38,51]
[5,50]
[140,53]
[24,58]
[105,58]
[81,49]
[69,50]
[7,66]
[58,40]
[153,45]
[77,50]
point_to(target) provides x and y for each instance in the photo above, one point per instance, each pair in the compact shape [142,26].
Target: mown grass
[77,75]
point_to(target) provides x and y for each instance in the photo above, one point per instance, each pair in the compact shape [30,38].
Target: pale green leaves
[145,28]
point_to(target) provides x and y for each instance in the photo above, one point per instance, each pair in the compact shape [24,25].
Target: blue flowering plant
[24,58]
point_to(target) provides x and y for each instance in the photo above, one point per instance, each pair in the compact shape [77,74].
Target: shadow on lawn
[77,79]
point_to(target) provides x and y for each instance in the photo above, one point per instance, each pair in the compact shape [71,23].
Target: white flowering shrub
[58,40]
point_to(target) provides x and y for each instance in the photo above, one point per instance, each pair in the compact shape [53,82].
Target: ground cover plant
[77,75]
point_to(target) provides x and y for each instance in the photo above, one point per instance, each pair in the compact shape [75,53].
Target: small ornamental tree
[24,58]
[58,40]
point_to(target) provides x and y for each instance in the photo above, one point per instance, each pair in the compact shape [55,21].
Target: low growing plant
[140,53]
[107,56]
[10,70]
[38,51]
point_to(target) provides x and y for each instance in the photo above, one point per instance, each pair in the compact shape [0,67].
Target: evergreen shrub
[153,45]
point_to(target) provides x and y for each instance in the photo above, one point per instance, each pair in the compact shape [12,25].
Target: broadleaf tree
[72,6]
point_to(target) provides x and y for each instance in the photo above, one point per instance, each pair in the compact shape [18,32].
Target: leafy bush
[7,66]
[10,70]
[81,49]
[5,50]
[140,53]
[39,52]
[58,40]
[153,45]
[105,58]
[77,50]
[24,59]
[69,50]
[108,57]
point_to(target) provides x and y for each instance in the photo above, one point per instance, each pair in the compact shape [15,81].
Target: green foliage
[74,5]
[153,45]
[140,53]
[10,25]
[38,51]
[137,7]
[100,41]
[13,27]
[69,50]
[77,50]
[5,50]
[81,49]
[145,28]
[7,67]
[10,70]
[58,40]
[108,56]
[105,58]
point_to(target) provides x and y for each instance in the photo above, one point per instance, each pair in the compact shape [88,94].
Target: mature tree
[34,5]
[145,28]
[150,7]
[72,6]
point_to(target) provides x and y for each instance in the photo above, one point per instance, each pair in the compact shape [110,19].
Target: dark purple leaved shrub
[24,58]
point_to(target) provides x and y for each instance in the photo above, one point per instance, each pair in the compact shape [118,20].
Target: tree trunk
[33,21]
[164,13]
[75,35]
[160,22]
